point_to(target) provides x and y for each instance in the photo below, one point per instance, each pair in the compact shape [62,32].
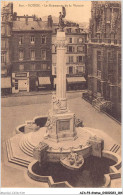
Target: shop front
[20,82]
[44,83]
[76,83]
[5,85]
[73,83]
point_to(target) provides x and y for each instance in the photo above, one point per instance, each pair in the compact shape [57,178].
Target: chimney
[14,15]
[50,21]
[11,7]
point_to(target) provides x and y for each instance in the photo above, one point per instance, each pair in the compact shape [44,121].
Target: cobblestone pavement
[16,110]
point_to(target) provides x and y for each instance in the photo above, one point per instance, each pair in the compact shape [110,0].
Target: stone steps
[97,107]
[26,147]
[28,143]
[13,159]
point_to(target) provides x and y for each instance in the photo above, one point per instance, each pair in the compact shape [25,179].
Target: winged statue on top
[61,16]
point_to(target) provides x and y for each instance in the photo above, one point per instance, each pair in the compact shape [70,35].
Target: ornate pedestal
[61,126]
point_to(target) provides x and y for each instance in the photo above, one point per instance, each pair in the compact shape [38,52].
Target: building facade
[104,56]
[75,55]
[6,34]
[31,53]
[28,52]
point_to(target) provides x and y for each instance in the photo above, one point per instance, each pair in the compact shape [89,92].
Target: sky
[76,11]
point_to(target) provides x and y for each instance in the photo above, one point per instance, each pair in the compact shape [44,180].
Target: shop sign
[21,75]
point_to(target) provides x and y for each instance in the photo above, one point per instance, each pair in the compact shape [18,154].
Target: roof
[31,25]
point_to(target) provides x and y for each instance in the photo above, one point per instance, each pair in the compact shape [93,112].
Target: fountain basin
[96,172]
[39,121]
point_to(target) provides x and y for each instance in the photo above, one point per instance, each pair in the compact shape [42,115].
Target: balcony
[106,41]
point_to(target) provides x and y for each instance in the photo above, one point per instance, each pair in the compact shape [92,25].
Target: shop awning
[44,80]
[6,83]
[76,79]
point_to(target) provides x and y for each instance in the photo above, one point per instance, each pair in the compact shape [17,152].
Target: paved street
[15,110]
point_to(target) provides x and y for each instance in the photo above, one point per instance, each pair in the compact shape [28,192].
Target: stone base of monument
[22,149]
[53,152]
[63,127]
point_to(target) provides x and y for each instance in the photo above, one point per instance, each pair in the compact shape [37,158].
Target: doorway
[22,85]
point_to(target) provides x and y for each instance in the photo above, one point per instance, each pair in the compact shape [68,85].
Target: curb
[46,93]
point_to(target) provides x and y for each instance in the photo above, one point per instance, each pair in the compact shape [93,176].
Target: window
[78,30]
[44,66]
[32,54]
[49,67]
[119,68]
[32,40]
[3,56]
[71,70]
[3,43]
[70,49]
[98,86]
[79,69]
[99,74]
[55,70]
[69,30]
[98,55]
[43,54]
[110,63]
[8,30]
[83,40]
[16,84]
[43,39]
[111,70]
[21,67]
[70,40]
[79,49]
[20,40]
[99,60]
[3,30]
[2,18]
[79,59]
[70,59]
[21,55]
[54,48]
[83,48]
[119,95]
[80,40]
[32,66]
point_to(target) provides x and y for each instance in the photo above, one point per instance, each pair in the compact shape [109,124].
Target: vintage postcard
[61,97]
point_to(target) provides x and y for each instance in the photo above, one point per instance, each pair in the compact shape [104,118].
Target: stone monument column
[61,121]
[61,69]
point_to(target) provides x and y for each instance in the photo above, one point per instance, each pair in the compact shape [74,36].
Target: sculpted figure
[61,16]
